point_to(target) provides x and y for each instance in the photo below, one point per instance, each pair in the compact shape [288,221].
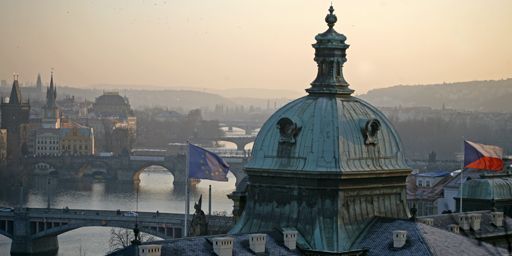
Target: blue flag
[204,164]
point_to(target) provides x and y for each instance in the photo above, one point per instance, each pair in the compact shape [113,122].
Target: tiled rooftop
[376,239]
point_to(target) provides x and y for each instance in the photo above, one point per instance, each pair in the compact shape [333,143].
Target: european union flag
[204,164]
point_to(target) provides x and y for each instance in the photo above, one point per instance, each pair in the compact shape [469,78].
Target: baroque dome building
[327,177]
[325,164]
[111,104]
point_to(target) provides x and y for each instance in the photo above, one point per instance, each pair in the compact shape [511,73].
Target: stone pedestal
[24,244]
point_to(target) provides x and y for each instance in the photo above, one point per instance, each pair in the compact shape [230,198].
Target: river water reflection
[156,192]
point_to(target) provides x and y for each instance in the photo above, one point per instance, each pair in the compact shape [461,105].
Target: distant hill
[258,93]
[189,98]
[173,99]
[485,96]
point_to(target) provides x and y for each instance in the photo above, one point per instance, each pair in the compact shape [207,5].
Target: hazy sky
[253,44]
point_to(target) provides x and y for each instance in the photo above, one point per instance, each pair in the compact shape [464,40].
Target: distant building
[77,141]
[3,145]
[486,193]
[51,113]
[112,105]
[15,112]
[70,108]
[425,192]
[452,188]
[121,141]
[47,142]
[113,122]
[54,136]
[169,116]
[64,141]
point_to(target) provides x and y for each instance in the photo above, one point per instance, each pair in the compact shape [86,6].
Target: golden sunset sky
[252,44]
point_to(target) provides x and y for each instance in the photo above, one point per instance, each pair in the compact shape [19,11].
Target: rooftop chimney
[464,221]
[497,219]
[223,246]
[149,250]
[474,221]
[257,242]
[290,239]
[399,238]
[454,228]
[427,221]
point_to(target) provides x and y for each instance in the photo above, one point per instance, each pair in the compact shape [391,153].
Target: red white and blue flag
[482,157]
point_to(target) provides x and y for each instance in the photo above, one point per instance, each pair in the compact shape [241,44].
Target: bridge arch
[96,168]
[227,144]
[240,141]
[233,130]
[145,167]
[151,230]
[6,233]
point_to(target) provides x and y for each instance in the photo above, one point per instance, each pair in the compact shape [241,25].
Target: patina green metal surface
[325,164]
[331,138]
[488,189]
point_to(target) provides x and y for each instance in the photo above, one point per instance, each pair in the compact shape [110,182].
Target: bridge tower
[15,114]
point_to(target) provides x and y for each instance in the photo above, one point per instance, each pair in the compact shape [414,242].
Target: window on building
[427,183]
[420,183]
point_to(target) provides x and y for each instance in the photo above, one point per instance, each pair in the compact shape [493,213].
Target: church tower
[39,84]
[15,113]
[51,113]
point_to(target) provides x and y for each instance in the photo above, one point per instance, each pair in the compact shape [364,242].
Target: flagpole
[461,173]
[460,197]
[187,196]
[210,201]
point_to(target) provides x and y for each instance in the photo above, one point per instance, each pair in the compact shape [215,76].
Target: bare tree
[121,238]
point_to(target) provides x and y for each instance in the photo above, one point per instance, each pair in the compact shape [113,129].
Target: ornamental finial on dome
[331,17]
[330,55]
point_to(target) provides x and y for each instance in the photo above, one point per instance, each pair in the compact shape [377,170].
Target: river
[156,192]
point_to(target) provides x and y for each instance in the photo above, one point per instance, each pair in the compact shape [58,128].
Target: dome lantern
[330,55]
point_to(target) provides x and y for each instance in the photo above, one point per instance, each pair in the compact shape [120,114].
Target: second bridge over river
[35,230]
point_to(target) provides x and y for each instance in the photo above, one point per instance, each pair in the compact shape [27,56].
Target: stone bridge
[122,168]
[35,230]
[239,140]
[248,126]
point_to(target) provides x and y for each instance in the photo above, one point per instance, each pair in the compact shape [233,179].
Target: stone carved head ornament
[370,131]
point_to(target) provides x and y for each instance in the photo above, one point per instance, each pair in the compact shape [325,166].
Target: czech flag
[483,157]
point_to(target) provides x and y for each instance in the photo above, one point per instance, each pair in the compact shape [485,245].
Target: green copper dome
[488,189]
[329,130]
[327,133]
[325,164]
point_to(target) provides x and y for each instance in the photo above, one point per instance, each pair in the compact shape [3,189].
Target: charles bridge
[122,168]
[35,230]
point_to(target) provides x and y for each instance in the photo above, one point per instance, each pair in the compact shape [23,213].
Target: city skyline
[230,44]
